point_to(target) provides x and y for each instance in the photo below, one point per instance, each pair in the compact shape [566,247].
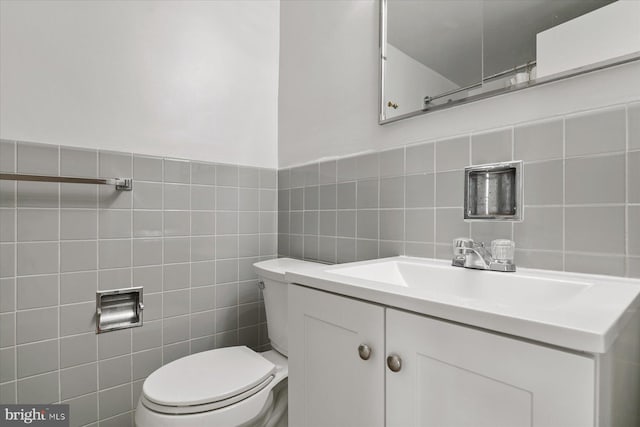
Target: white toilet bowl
[232,386]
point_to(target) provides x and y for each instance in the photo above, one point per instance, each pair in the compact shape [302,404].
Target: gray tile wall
[189,233]
[581,195]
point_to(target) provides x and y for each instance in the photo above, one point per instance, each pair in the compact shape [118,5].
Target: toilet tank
[275,293]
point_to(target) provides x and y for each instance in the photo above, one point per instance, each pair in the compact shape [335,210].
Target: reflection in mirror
[439,53]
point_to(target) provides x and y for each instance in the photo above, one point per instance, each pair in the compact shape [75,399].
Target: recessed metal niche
[493,192]
[118,309]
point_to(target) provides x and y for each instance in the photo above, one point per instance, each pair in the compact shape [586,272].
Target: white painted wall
[328,97]
[408,81]
[192,79]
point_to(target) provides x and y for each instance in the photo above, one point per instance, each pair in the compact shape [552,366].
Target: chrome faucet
[469,254]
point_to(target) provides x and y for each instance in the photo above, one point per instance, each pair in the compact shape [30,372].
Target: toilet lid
[207,377]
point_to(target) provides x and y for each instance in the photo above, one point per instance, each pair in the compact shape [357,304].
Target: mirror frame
[489,94]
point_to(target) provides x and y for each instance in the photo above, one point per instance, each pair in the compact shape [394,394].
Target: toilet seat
[181,387]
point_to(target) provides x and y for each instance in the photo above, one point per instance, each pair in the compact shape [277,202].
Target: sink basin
[505,289]
[582,312]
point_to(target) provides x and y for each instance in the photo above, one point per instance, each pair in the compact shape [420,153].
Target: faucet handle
[502,250]
[463,242]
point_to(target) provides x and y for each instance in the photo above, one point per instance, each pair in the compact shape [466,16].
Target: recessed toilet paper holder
[118,309]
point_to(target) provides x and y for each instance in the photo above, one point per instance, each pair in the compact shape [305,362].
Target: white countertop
[586,315]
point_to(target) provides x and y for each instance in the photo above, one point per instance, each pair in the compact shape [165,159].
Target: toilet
[232,386]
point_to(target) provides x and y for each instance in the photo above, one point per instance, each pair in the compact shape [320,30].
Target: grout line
[564,194]
[626,194]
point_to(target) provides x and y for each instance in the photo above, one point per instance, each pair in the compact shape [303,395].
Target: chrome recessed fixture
[493,192]
[118,309]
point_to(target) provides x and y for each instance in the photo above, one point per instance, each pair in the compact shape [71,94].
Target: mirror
[440,53]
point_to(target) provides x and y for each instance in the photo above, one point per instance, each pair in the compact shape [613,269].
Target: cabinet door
[329,383]
[456,376]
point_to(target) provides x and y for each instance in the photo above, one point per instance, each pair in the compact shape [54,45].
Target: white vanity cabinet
[458,376]
[330,385]
[447,374]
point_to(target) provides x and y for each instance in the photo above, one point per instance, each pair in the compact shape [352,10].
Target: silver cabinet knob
[394,362]
[364,351]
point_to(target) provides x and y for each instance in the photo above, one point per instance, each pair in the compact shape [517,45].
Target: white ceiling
[448,35]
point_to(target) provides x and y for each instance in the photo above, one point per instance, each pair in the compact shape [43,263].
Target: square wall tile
[328,172]
[419,225]
[78,224]
[634,230]
[367,195]
[346,197]
[203,197]
[541,229]
[633,178]
[346,223]
[7,225]
[284,179]
[367,224]
[7,367]
[491,147]
[595,180]
[78,349]
[37,258]
[115,343]
[7,295]
[37,291]
[203,173]
[543,183]
[115,165]
[419,191]
[31,361]
[392,162]
[311,198]
[392,192]
[420,158]
[634,126]
[114,253]
[78,381]
[77,318]
[594,264]
[539,259]
[176,196]
[114,224]
[248,177]
[37,158]
[36,325]
[147,195]
[539,141]
[42,389]
[452,153]
[40,194]
[177,171]
[7,330]
[78,287]
[346,170]
[392,224]
[7,156]
[596,132]
[450,225]
[595,229]
[78,162]
[450,188]
[78,256]
[227,175]
[37,225]
[147,168]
